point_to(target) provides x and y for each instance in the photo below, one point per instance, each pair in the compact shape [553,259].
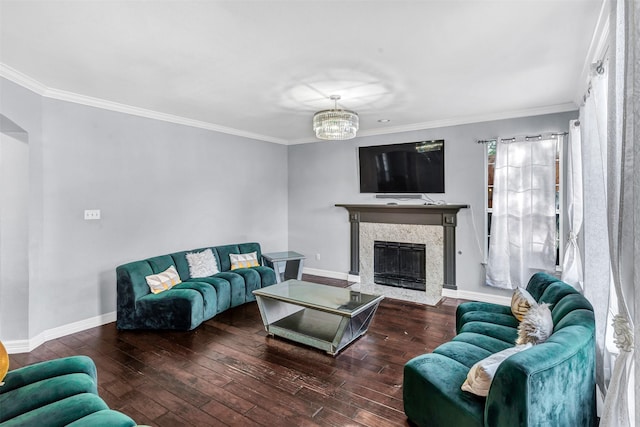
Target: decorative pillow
[521,302]
[202,264]
[163,281]
[536,326]
[481,374]
[4,363]
[244,260]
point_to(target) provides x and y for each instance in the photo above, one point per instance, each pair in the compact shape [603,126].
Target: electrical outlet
[317,257]
[90,214]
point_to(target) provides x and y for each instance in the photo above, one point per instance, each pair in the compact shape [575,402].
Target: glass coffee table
[321,316]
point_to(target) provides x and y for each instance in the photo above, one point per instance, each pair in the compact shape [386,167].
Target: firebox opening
[399,264]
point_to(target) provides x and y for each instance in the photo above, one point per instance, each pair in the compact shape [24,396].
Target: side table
[292,262]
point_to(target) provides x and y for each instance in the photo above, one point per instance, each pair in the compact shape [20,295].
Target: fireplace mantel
[443,215]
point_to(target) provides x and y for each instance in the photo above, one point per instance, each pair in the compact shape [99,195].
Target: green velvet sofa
[56,393]
[193,301]
[549,384]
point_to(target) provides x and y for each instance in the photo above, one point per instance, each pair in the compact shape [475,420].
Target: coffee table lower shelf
[319,329]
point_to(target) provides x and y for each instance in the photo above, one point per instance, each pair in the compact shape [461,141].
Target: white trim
[29,83]
[21,79]
[449,293]
[476,296]
[538,111]
[325,273]
[25,346]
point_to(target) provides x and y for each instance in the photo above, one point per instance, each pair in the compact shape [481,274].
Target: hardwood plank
[229,372]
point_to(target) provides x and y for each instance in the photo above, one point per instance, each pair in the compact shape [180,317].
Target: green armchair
[60,392]
[549,384]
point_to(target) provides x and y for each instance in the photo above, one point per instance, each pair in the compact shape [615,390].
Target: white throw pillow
[536,326]
[481,374]
[163,281]
[202,264]
[244,260]
[521,302]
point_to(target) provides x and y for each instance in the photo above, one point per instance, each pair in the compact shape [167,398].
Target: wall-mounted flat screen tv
[414,167]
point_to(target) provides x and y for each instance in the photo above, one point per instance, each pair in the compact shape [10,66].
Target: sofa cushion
[160,263]
[252,282]
[237,287]
[267,275]
[486,307]
[223,291]
[243,260]
[536,326]
[504,333]
[61,412]
[181,309]
[223,255]
[462,352]
[163,281]
[105,417]
[433,381]
[567,305]
[505,319]
[51,368]
[521,302]
[202,264]
[209,296]
[481,374]
[40,393]
[479,340]
[539,283]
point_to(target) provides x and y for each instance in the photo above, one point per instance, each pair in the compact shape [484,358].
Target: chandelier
[335,124]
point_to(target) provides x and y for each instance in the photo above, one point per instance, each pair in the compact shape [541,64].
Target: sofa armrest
[549,384]
[49,369]
[484,307]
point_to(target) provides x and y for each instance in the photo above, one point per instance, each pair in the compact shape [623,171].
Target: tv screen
[414,167]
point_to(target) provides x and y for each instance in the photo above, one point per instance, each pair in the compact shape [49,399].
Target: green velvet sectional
[60,392]
[549,384]
[193,301]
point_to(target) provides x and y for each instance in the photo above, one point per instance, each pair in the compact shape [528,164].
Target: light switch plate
[90,214]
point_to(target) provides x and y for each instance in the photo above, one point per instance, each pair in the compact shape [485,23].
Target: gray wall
[14,233]
[161,188]
[325,173]
[21,119]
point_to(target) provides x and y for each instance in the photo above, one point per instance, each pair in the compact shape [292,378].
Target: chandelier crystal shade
[335,124]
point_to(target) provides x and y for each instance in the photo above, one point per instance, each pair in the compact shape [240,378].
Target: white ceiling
[262,68]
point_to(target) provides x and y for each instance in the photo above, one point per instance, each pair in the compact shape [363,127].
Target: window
[490,147]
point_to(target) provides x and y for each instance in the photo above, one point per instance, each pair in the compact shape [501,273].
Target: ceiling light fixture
[335,124]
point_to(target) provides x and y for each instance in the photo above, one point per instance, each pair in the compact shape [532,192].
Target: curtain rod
[538,137]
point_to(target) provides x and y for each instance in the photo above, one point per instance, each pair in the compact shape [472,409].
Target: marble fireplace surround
[433,225]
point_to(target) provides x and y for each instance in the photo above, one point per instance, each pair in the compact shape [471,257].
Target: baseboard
[325,273]
[476,296]
[25,346]
[450,293]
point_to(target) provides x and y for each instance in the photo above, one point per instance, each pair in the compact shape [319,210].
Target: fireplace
[399,264]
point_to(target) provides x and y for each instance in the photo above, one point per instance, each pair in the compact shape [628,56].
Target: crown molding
[35,86]
[21,79]
[538,111]
[29,83]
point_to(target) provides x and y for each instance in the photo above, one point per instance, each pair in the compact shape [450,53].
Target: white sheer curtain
[623,191]
[610,122]
[593,123]
[571,261]
[523,222]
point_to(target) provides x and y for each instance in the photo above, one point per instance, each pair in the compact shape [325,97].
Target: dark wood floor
[228,372]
